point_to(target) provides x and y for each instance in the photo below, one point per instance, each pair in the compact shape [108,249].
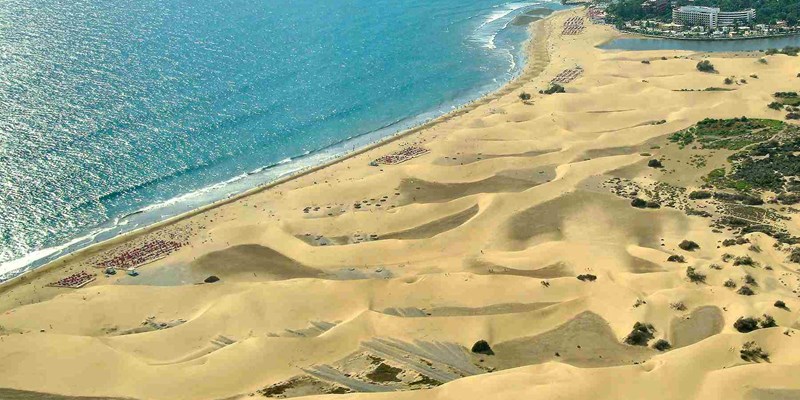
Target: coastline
[532,68]
[517,231]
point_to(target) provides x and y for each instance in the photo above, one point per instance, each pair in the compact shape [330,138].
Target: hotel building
[711,17]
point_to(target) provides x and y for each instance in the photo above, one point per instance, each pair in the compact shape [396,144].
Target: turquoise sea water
[116,114]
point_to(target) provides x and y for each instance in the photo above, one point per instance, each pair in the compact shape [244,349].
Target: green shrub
[653,204]
[679,306]
[640,335]
[767,322]
[744,260]
[794,256]
[750,352]
[700,195]
[746,325]
[662,345]
[705,66]
[676,258]
[554,88]
[745,291]
[695,276]
[688,245]
[638,203]
[482,347]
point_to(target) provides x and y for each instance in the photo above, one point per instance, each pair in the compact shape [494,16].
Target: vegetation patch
[688,245]
[744,260]
[788,50]
[700,195]
[640,335]
[745,291]
[751,352]
[482,347]
[676,259]
[554,88]
[731,134]
[706,66]
[765,158]
[695,276]
[662,345]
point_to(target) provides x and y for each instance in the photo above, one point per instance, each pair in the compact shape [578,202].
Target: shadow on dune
[584,341]
[494,309]
[13,394]
[434,228]
[702,323]
[772,394]
[252,260]
[597,221]
[421,191]
[557,270]
[574,213]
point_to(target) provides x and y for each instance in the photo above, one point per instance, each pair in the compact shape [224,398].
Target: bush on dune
[706,66]
[554,88]
[695,276]
[640,335]
[752,353]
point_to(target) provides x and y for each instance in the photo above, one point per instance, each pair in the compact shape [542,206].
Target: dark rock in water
[211,279]
[587,278]
[655,164]
[482,347]
[689,245]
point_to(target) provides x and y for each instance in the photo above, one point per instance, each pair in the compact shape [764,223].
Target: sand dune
[371,282]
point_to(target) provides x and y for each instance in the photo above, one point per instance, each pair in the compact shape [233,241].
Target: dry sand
[480,239]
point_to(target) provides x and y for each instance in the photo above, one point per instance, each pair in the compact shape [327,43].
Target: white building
[732,17]
[711,17]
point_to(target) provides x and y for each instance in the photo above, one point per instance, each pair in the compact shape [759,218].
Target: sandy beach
[513,224]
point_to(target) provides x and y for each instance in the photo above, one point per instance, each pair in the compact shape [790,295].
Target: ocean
[118,114]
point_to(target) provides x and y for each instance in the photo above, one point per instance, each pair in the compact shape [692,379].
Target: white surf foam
[495,22]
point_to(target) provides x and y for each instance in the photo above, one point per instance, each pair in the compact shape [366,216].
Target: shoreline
[526,72]
[519,228]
